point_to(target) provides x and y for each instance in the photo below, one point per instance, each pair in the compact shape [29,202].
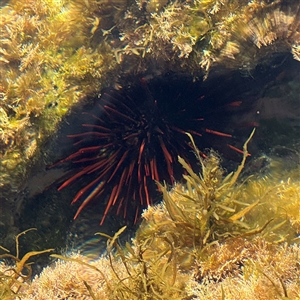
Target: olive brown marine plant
[202,210]
[206,240]
[195,219]
[203,214]
[14,277]
[193,245]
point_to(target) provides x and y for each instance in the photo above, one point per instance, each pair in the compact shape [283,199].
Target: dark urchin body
[133,137]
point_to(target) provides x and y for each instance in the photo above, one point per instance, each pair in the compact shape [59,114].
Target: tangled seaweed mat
[211,238]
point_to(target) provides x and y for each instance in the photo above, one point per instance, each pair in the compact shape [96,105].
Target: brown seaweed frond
[143,277]
[130,274]
[204,209]
[243,269]
[236,268]
[210,209]
[12,278]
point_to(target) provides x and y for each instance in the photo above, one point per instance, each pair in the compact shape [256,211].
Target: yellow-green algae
[12,278]
[47,65]
[213,237]
[55,53]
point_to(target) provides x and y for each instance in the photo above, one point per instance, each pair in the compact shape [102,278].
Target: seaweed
[213,236]
[202,211]
[132,275]
[12,279]
[56,54]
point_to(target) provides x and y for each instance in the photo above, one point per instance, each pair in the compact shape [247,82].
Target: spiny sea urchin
[133,137]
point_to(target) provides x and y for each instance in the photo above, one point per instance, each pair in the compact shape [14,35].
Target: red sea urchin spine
[133,139]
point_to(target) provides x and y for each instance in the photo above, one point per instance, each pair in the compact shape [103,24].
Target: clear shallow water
[271,97]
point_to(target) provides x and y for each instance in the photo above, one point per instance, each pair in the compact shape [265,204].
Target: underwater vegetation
[46,66]
[13,277]
[56,53]
[212,237]
[215,235]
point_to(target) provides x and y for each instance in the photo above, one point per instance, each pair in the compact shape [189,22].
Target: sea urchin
[133,137]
